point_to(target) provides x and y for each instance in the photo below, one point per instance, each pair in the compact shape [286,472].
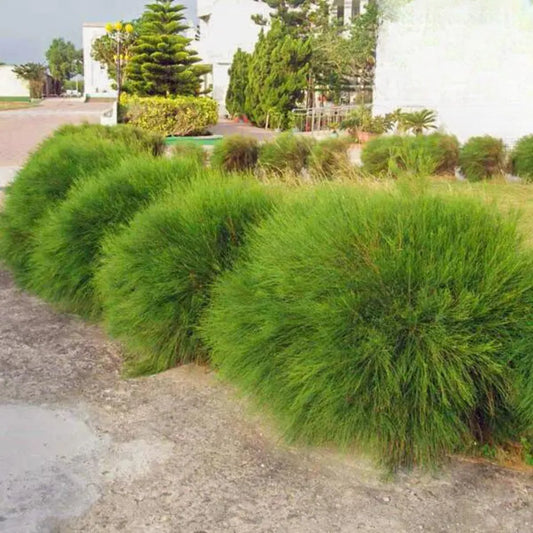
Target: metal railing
[320,118]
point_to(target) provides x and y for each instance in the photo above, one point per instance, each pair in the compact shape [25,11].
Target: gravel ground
[83,450]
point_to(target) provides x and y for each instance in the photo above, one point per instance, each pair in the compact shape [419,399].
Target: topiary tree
[238,84]
[162,63]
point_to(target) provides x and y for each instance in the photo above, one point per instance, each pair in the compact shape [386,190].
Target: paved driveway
[22,129]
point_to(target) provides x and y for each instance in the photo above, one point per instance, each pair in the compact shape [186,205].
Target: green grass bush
[285,154]
[156,276]
[522,158]
[482,158]
[138,140]
[68,240]
[328,158]
[189,150]
[43,183]
[236,153]
[393,155]
[398,324]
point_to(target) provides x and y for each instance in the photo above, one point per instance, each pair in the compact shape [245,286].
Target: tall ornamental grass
[43,183]
[399,325]
[156,276]
[329,158]
[285,154]
[68,240]
[236,153]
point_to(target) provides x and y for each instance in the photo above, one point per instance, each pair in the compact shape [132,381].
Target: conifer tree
[162,62]
[238,86]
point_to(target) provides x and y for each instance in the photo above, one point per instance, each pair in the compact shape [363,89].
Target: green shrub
[189,150]
[42,183]
[179,116]
[156,276]
[328,158]
[482,158]
[430,154]
[139,140]
[287,153]
[390,322]
[236,153]
[522,158]
[69,237]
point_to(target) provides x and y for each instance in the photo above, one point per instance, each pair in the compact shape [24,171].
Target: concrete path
[22,130]
[228,127]
[82,450]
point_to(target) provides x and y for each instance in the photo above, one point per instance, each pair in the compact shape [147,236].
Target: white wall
[229,27]
[10,85]
[470,60]
[97,81]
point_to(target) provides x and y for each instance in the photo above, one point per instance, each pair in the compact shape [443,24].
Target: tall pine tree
[162,64]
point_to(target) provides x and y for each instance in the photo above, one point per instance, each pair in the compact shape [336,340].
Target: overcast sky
[28,26]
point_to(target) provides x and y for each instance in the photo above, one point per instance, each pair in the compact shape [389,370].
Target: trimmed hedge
[236,153]
[522,158]
[69,238]
[391,155]
[156,276]
[287,153]
[42,183]
[482,158]
[179,115]
[328,158]
[398,324]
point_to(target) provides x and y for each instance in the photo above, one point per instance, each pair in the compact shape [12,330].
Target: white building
[226,25]
[97,81]
[469,60]
[11,86]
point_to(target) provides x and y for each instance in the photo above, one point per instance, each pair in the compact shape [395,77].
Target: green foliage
[64,60]
[522,158]
[328,158]
[162,63]
[286,153]
[239,74]
[482,158]
[73,153]
[190,151]
[236,153]
[362,120]
[278,76]
[418,122]
[68,239]
[156,276]
[422,154]
[35,74]
[396,323]
[181,115]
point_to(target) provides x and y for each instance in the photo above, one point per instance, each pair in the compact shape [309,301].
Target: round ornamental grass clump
[68,240]
[285,154]
[522,158]
[44,182]
[328,158]
[236,153]
[399,325]
[156,276]
[482,158]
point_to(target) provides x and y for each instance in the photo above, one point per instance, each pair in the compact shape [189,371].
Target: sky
[27,27]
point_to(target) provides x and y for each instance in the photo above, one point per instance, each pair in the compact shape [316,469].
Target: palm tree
[35,74]
[419,121]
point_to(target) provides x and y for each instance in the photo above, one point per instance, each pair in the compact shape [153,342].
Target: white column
[348,6]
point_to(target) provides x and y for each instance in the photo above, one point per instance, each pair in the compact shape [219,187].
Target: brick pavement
[23,129]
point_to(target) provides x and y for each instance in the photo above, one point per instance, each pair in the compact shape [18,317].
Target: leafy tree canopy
[64,60]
